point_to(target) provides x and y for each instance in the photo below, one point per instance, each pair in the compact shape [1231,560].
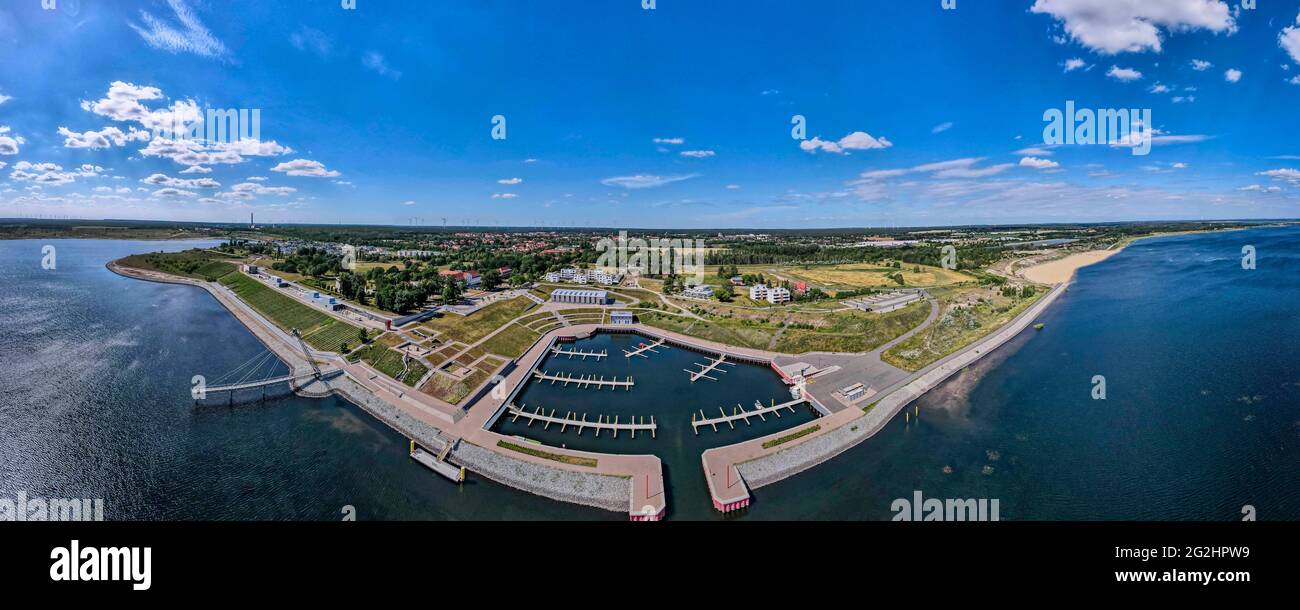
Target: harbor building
[620,317]
[580,297]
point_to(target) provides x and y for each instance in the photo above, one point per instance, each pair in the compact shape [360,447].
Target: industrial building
[580,297]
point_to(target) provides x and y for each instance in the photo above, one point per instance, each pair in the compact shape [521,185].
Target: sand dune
[1061,270]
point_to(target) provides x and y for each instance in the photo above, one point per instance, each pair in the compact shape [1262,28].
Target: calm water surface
[1201,415]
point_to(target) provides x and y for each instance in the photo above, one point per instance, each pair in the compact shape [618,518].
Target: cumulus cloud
[165,180]
[1123,74]
[697,154]
[375,61]
[197,169]
[1289,40]
[51,174]
[510,181]
[104,138]
[1232,75]
[644,181]
[858,140]
[673,141]
[1073,64]
[1037,163]
[186,34]
[1285,173]
[172,193]
[305,167]
[1201,65]
[1110,27]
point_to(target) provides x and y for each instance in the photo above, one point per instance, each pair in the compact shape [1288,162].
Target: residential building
[776,296]
[703,291]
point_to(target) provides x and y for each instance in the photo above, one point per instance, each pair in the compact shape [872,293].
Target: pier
[603,422]
[438,464]
[645,347]
[584,381]
[740,414]
[708,368]
[558,351]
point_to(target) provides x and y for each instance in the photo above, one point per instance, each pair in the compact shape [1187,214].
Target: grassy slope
[288,313]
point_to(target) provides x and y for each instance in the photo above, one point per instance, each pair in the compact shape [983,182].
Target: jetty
[438,464]
[643,348]
[706,368]
[558,351]
[740,414]
[571,419]
[584,381]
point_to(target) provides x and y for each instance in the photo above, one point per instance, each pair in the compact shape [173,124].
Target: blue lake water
[1201,415]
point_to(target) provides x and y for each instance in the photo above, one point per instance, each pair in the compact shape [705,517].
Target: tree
[491,278]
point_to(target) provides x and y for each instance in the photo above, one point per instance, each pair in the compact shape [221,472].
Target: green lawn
[288,313]
[955,329]
[471,328]
[198,264]
[389,362]
[511,342]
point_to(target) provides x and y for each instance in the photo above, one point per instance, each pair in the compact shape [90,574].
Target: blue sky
[619,116]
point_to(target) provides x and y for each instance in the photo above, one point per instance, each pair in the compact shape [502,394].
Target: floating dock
[645,347]
[438,464]
[571,419]
[740,414]
[707,368]
[584,381]
[558,351]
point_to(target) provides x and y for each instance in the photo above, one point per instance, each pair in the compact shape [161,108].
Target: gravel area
[589,489]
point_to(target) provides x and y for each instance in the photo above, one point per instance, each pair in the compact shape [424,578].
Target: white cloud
[1159,88]
[261,189]
[858,140]
[104,138]
[165,180]
[375,61]
[408,203]
[1289,40]
[1037,163]
[1201,65]
[197,169]
[1034,151]
[697,154]
[1232,75]
[305,167]
[733,187]
[308,39]
[169,193]
[941,127]
[504,195]
[1074,64]
[4,98]
[510,181]
[1117,26]
[50,174]
[1282,174]
[187,35]
[645,181]
[1123,74]
[674,141]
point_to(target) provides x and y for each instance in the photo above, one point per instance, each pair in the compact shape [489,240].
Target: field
[850,331]
[288,314]
[453,391]
[511,342]
[968,315]
[850,276]
[389,362]
[198,264]
[479,324]
[332,337]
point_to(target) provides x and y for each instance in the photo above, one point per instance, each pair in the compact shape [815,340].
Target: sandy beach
[1061,270]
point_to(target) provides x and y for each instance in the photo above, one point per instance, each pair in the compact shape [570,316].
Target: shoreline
[595,490]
